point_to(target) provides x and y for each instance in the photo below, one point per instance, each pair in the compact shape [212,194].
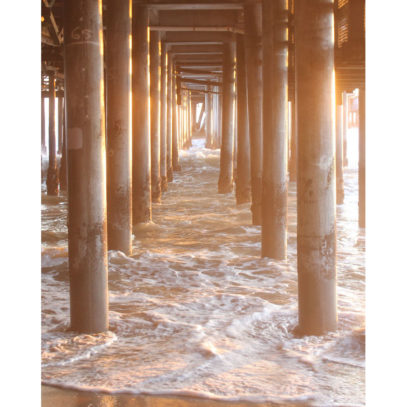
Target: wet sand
[57,397]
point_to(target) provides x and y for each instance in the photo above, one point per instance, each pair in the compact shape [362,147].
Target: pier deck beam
[243,189]
[155,46]
[275,126]
[253,48]
[225,183]
[86,164]
[141,126]
[118,86]
[316,230]
[163,118]
[52,174]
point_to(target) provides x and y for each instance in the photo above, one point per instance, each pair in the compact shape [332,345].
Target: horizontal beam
[195,53]
[170,43]
[200,64]
[199,82]
[167,28]
[194,6]
[197,71]
[195,36]
[195,48]
[201,91]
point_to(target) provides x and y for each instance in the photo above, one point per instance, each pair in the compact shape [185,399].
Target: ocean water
[196,311]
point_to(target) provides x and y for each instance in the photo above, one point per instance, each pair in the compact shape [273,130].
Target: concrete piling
[85,117]
[141,124]
[43,144]
[225,183]
[63,169]
[52,174]
[316,230]
[340,192]
[208,119]
[175,130]
[170,109]
[345,128]
[253,48]
[118,118]
[155,48]
[292,164]
[362,159]
[243,188]
[163,119]
[275,127]
[60,121]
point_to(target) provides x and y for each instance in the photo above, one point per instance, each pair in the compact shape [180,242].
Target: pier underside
[203,194]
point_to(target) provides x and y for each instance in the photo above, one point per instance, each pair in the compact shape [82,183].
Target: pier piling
[362,159]
[225,183]
[52,174]
[155,47]
[340,193]
[176,130]
[43,144]
[118,117]
[316,230]
[243,190]
[254,62]
[170,119]
[163,118]
[84,97]
[275,126]
[141,124]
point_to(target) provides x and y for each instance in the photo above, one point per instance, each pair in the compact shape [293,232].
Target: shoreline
[53,396]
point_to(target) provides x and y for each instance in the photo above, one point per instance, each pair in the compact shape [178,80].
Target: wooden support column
[155,47]
[43,144]
[141,125]
[340,193]
[163,114]
[316,230]
[254,62]
[176,130]
[275,126]
[225,183]
[243,189]
[85,118]
[362,159]
[52,174]
[60,126]
[170,109]
[118,117]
